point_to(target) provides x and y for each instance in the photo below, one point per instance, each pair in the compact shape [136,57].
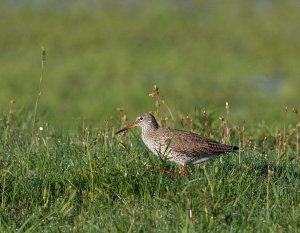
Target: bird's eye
[141,118]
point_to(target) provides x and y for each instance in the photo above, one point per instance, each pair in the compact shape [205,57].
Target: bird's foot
[171,172]
[183,173]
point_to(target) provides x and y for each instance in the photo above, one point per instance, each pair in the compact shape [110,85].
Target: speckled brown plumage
[178,146]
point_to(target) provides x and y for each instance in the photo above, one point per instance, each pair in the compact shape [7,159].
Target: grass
[88,180]
[63,171]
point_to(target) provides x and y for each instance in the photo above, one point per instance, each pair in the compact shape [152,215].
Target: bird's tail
[235,149]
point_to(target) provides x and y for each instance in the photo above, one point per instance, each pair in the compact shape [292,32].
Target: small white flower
[41,128]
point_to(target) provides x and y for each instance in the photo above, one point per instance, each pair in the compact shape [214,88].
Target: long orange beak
[127,128]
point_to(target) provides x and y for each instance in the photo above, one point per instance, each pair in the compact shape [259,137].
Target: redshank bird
[178,146]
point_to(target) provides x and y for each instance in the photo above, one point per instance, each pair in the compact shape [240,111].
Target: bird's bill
[127,128]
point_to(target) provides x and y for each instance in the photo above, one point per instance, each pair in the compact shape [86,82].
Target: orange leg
[183,173]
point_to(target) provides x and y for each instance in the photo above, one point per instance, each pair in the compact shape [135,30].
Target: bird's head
[145,121]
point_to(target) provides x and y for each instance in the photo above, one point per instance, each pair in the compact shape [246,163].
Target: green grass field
[87,180]
[62,167]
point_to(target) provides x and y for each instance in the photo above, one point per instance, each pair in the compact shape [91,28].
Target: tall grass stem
[38,97]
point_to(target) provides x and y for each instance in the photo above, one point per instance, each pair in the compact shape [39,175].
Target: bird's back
[183,146]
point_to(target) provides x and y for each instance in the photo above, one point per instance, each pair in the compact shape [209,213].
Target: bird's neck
[149,129]
[154,125]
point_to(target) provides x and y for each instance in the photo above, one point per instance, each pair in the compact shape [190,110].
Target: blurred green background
[107,54]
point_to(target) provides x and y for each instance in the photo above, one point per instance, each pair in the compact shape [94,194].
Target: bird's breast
[157,145]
